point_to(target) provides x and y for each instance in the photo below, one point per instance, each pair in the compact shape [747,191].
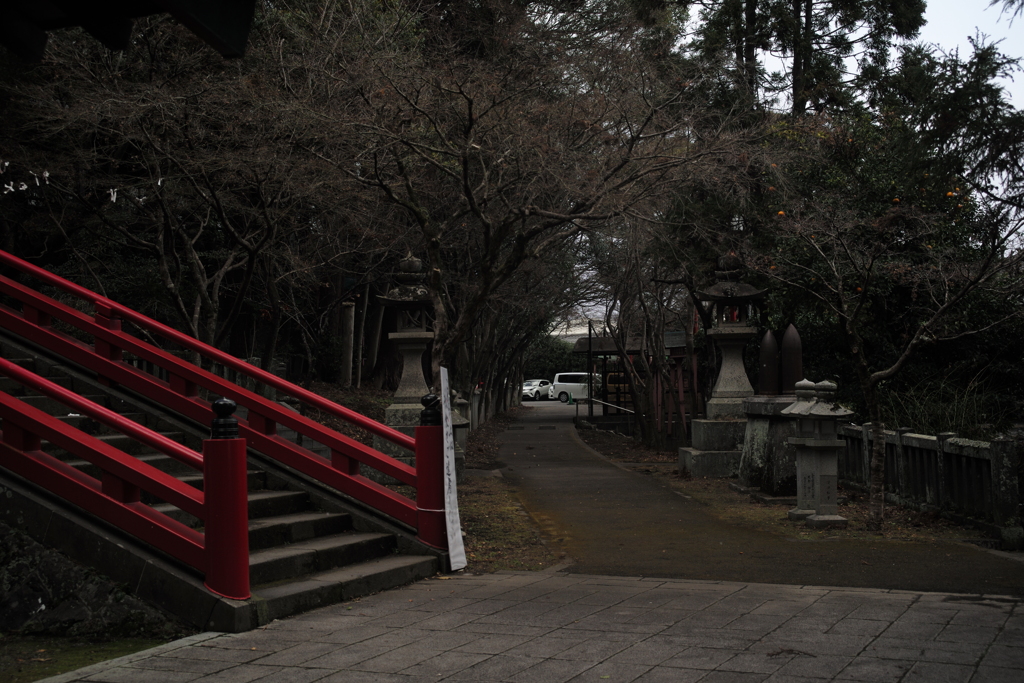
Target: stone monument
[768,462]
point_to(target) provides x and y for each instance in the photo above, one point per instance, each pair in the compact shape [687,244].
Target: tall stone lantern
[718,438]
[732,302]
[410,299]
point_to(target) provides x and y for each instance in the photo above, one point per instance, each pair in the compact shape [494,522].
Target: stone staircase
[309,546]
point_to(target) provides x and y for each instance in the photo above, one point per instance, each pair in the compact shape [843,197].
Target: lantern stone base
[826,522]
[718,435]
[405,417]
[799,515]
[715,464]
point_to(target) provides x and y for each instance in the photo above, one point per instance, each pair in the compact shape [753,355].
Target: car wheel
[563,396]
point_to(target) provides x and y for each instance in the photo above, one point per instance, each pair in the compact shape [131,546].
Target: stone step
[261,504]
[346,583]
[164,463]
[121,442]
[285,563]
[301,526]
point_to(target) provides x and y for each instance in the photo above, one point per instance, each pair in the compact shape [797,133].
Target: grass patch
[31,658]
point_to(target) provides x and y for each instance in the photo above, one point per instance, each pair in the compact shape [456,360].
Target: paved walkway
[548,626]
[578,624]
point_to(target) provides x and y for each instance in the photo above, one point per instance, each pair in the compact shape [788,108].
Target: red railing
[180,392]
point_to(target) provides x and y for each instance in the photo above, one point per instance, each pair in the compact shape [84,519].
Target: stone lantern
[410,300]
[732,302]
[817,446]
[716,439]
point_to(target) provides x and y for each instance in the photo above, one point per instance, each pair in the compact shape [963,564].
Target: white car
[536,389]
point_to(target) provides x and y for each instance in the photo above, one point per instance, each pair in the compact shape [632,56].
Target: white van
[574,383]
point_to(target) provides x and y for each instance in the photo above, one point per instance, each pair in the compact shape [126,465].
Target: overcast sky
[952,22]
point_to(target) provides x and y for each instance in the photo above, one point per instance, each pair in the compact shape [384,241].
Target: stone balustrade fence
[974,481]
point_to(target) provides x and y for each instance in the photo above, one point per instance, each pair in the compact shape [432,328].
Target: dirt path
[616,522]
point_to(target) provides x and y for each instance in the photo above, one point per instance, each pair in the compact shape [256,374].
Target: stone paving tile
[787,608]
[881,612]
[927,614]
[184,662]
[995,674]
[371,677]
[968,634]
[551,671]
[122,674]
[704,620]
[930,672]
[755,662]
[497,668]
[653,650]
[607,599]
[600,623]
[1004,656]
[733,677]
[860,627]
[651,599]
[446,621]
[593,649]
[348,656]
[264,639]
[566,614]
[875,670]
[814,644]
[665,674]
[542,648]
[820,667]
[902,629]
[701,658]
[713,638]
[569,595]
[405,618]
[611,672]
[410,656]
[660,616]
[994,616]
[757,623]
[492,644]
[299,655]
[518,613]
[693,603]
[246,673]
[505,629]
[291,674]
[482,607]
[223,654]
[354,634]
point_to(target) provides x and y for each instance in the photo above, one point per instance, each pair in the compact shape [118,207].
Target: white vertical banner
[456,551]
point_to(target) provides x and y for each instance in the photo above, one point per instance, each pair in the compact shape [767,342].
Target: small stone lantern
[817,446]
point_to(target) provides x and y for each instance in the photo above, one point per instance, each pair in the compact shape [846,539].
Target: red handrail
[102,415]
[179,392]
[100,303]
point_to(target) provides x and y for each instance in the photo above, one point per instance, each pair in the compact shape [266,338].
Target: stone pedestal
[716,448]
[768,461]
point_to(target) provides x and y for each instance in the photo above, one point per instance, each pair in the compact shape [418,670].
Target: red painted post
[431,526]
[225,493]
